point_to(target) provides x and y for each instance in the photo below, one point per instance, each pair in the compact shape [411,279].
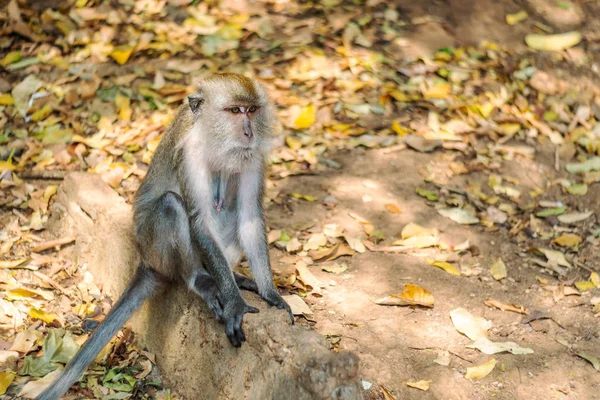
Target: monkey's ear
[195,100]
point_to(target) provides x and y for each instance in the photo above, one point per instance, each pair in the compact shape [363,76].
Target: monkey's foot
[273,298]
[233,314]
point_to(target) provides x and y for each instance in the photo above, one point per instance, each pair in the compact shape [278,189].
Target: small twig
[50,281]
[392,149]
[42,174]
[556,160]
[53,243]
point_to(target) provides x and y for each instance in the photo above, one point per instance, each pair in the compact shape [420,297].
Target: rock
[278,360]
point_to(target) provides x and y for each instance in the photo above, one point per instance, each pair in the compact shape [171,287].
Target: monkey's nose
[248,133]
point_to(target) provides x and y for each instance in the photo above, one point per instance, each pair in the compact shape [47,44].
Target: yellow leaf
[293,143]
[392,208]
[485,109]
[582,286]
[439,91]
[421,385]
[6,379]
[6,99]
[121,54]
[595,279]
[510,129]
[306,118]
[412,295]
[449,268]
[40,314]
[513,19]
[481,371]
[5,165]
[42,113]
[123,105]
[556,42]
[498,270]
[567,240]
[396,127]
[10,58]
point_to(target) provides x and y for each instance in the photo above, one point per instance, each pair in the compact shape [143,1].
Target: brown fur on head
[233,119]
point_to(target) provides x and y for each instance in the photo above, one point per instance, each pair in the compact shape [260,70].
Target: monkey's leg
[173,244]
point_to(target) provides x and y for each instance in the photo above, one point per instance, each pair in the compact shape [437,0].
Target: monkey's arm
[253,237]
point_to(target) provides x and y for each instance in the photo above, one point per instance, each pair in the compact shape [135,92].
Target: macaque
[197,211]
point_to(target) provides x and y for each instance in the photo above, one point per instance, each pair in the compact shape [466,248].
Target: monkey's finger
[253,310]
[231,335]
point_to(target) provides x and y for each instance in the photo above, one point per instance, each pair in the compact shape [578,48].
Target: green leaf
[59,346]
[550,211]
[579,189]
[428,194]
[118,381]
[37,366]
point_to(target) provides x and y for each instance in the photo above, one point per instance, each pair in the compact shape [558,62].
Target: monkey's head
[234,118]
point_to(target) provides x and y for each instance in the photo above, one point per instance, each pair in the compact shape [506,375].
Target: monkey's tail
[145,283]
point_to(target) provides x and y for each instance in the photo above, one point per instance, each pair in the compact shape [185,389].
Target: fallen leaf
[421,144]
[557,42]
[428,194]
[505,307]
[551,211]
[121,53]
[333,230]
[480,371]
[458,215]
[574,217]
[298,306]
[392,208]
[582,286]
[367,226]
[310,281]
[412,295]
[6,378]
[578,189]
[567,240]
[23,293]
[315,241]
[335,268]
[498,270]
[306,118]
[591,359]
[472,327]
[591,164]
[355,243]
[513,19]
[37,366]
[449,268]
[40,314]
[123,105]
[595,279]
[25,340]
[443,358]
[421,385]
[293,246]
[32,389]
[486,346]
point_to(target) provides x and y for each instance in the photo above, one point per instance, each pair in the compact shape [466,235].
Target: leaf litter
[66,118]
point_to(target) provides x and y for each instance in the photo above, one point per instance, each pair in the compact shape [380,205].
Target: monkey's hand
[273,298]
[233,314]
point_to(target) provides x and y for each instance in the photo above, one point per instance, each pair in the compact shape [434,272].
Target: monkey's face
[235,120]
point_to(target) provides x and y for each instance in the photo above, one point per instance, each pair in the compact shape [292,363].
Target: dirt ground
[400,344]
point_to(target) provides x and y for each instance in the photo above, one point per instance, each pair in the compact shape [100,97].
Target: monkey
[197,211]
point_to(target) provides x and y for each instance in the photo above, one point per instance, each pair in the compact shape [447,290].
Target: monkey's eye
[252,109]
[234,110]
